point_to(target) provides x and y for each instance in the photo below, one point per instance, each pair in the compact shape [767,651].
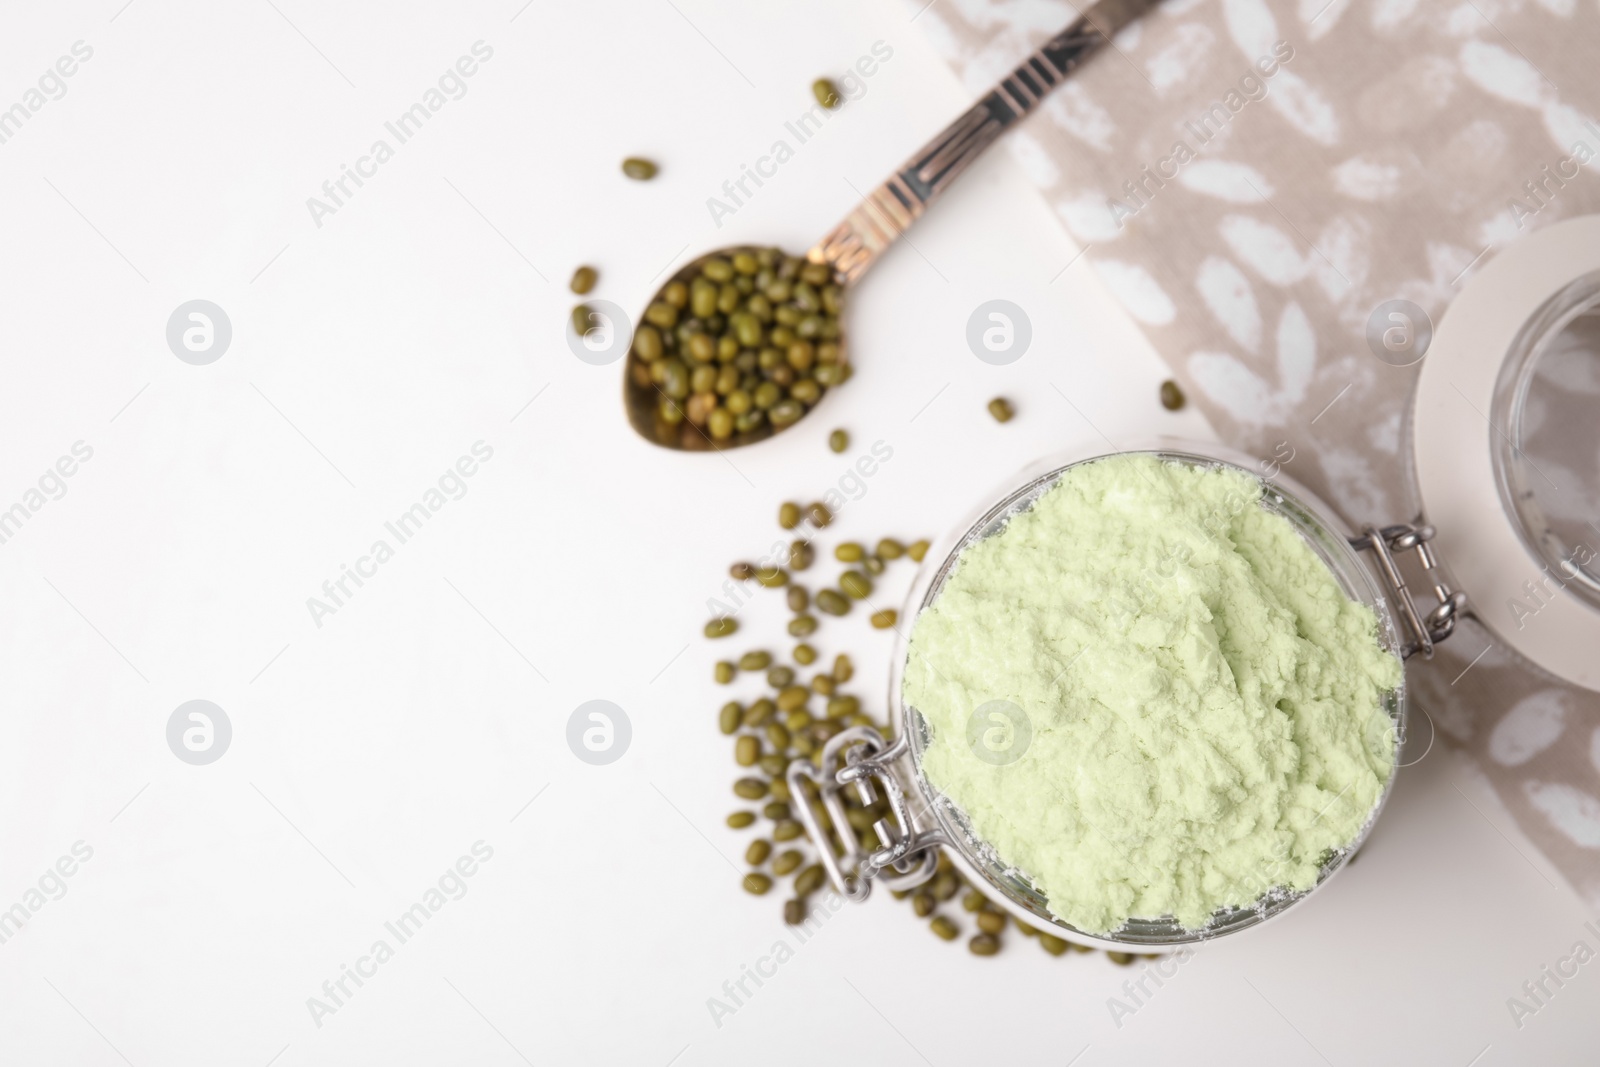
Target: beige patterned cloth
[1252,178]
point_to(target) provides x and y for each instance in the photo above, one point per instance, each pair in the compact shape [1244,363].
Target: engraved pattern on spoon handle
[891,208]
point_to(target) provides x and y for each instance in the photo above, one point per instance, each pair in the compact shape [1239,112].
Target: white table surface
[370,753]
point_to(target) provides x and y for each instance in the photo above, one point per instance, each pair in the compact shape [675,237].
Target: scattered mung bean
[809,880]
[856,585]
[832,603]
[1001,409]
[1172,397]
[640,170]
[583,280]
[827,93]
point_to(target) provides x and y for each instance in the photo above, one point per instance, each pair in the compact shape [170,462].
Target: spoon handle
[889,210]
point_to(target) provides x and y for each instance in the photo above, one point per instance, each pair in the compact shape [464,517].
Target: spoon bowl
[659,418]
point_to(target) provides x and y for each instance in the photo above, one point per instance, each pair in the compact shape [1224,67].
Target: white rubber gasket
[1477,539]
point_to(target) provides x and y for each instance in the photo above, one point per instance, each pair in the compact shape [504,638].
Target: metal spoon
[888,211]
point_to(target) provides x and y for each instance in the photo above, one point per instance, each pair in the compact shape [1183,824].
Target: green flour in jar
[1200,703]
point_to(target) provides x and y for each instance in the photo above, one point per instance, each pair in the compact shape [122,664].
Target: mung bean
[640,170]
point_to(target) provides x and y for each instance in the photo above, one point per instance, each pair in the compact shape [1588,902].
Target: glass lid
[1547,461]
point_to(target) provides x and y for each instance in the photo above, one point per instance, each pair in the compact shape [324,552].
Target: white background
[368,754]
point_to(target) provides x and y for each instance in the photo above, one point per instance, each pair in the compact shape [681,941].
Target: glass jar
[925,819]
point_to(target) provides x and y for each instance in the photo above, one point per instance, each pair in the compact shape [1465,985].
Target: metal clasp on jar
[1421,632]
[907,856]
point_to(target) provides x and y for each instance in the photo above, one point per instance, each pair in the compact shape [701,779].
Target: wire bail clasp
[906,857]
[1422,632]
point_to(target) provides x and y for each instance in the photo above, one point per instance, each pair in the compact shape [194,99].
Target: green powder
[1203,698]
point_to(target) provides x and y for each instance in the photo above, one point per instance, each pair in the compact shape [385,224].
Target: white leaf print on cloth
[1410,97]
[1071,108]
[1387,14]
[1297,353]
[1529,728]
[1249,399]
[1232,386]
[1089,218]
[1304,107]
[1184,54]
[1364,178]
[1341,257]
[1569,127]
[1033,158]
[1385,434]
[1227,293]
[1320,16]
[1503,74]
[1569,809]
[1265,249]
[1351,475]
[1137,291]
[1235,183]
[1252,27]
